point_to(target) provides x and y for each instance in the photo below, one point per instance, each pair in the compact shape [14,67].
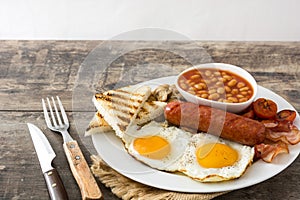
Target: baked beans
[217,85]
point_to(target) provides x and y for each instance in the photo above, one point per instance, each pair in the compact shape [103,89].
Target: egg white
[190,166]
[177,138]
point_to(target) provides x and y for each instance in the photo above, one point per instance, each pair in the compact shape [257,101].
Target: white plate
[111,150]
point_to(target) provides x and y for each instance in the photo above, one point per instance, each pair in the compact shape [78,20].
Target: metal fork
[79,167]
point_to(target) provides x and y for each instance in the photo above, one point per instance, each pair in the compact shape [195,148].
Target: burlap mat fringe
[128,189]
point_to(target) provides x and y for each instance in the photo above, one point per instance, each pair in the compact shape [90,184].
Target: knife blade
[46,155]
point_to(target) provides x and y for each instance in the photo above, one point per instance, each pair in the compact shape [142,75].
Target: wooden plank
[45,68]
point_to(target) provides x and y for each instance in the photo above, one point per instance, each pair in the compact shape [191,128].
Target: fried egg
[157,146]
[211,159]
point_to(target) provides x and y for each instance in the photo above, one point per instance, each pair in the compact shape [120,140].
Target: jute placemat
[128,189]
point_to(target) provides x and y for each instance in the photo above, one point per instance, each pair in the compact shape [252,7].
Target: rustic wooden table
[31,70]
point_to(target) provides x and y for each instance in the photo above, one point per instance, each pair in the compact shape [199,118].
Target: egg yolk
[216,155]
[154,147]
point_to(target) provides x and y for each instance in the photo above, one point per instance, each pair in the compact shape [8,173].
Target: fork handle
[81,172]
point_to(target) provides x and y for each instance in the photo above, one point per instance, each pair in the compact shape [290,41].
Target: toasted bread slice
[120,107]
[97,125]
[151,110]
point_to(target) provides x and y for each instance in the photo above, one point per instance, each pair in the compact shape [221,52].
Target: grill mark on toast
[120,93]
[133,94]
[123,108]
[124,119]
[122,127]
[116,98]
[99,115]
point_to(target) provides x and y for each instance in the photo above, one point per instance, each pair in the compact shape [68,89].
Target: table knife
[46,155]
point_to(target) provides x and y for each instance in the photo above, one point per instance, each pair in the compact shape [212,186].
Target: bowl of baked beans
[218,85]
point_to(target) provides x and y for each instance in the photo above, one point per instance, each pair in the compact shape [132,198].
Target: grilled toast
[151,110]
[120,107]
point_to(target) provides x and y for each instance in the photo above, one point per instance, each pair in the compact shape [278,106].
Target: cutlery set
[58,122]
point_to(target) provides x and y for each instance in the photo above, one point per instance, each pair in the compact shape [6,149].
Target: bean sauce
[217,85]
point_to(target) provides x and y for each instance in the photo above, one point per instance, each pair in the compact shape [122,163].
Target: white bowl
[230,107]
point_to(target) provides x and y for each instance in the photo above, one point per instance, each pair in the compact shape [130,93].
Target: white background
[267,20]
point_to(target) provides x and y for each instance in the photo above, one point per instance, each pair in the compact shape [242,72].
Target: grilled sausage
[214,121]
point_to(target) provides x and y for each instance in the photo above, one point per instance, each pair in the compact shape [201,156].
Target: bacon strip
[270,123]
[288,137]
[267,152]
[277,126]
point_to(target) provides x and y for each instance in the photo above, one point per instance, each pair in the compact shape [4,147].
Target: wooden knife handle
[55,186]
[81,171]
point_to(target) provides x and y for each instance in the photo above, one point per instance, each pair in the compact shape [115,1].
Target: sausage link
[214,121]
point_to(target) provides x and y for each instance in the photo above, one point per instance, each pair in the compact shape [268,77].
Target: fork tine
[63,112]
[51,112]
[56,112]
[46,115]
